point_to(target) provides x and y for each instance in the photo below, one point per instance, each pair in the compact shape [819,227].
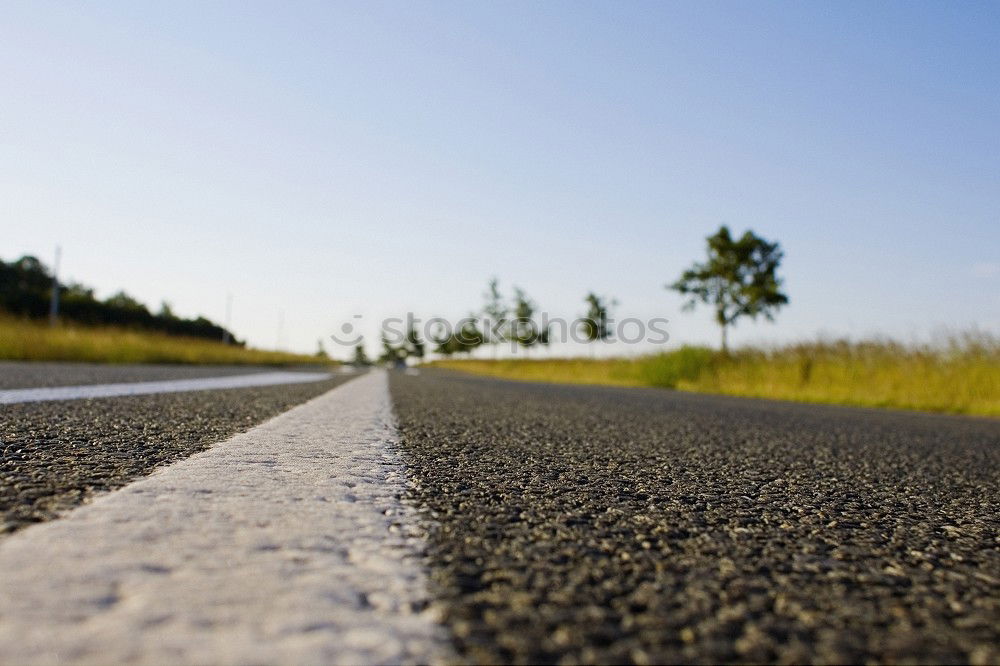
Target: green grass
[30,340]
[961,375]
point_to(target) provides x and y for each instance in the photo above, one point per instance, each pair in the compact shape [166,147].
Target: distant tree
[26,290]
[441,337]
[123,301]
[739,279]
[466,339]
[360,357]
[594,324]
[446,345]
[495,312]
[414,345]
[321,350]
[442,342]
[523,328]
[166,312]
[469,336]
[395,356]
[25,287]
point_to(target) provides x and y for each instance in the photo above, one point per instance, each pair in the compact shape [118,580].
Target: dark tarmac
[570,524]
[56,455]
[580,524]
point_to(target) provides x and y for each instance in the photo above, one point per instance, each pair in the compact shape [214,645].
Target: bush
[668,369]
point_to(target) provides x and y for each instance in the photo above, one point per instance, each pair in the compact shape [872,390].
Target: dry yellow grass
[614,372]
[28,340]
[960,376]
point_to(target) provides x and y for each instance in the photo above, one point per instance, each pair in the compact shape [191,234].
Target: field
[960,375]
[31,340]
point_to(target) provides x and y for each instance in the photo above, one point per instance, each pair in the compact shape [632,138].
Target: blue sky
[323,159]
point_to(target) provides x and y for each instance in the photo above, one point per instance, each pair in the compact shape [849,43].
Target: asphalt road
[56,455]
[582,524]
[285,544]
[31,374]
[579,524]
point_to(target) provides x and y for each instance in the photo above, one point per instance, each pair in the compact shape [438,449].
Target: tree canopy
[496,313]
[463,340]
[739,279]
[595,324]
[523,328]
[26,290]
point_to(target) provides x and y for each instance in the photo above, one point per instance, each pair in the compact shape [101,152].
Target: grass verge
[960,375]
[30,340]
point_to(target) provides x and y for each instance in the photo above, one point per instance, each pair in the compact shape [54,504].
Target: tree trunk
[725,340]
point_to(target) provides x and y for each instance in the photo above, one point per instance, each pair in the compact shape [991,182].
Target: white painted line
[287,544]
[11,396]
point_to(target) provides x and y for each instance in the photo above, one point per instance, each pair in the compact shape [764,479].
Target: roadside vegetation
[737,280]
[23,339]
[960,375]
[28,288]
[42,319]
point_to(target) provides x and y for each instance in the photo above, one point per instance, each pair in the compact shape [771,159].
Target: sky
[325,162]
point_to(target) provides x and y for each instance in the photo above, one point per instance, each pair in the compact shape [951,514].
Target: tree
[321,350]
[464,340]
[443,340]
[595,323]
[394,356]
[495,311]
[123,301]
[523,328]
[414,345]
[469,336]
[739,279]
[26,290]
[360,357]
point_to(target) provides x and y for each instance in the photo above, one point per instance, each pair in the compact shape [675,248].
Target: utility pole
[229,314]
[54,301]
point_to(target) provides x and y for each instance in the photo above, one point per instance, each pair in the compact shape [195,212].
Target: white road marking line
[11,396]
[284,544]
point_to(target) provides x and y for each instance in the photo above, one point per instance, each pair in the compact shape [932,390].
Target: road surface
[440,517]
[585,524]
[288,543]
[56,454]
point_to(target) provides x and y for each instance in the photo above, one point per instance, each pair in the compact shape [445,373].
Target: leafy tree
[123,301]
[442,339]
[360,357]
[524,330]
[469,335]
[414,345]
[166,312]
[739,279]
[26,289]
[446,346]
[495,311]
[465,340]
[595,323]
[395,356]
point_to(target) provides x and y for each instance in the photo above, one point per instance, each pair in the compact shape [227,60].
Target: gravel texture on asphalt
[286,544]
[25,374]
[55,455]
[583,524]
